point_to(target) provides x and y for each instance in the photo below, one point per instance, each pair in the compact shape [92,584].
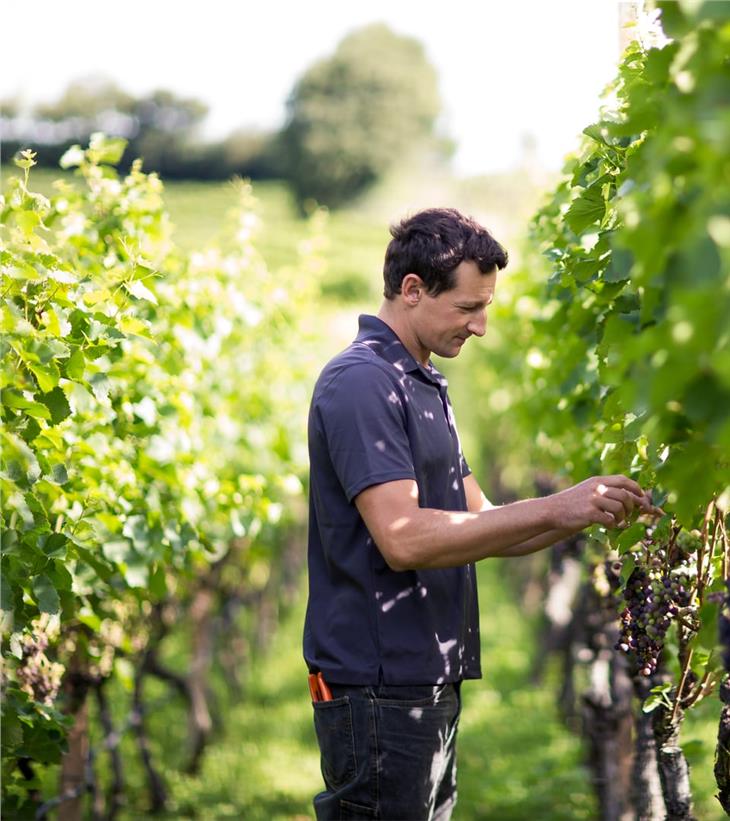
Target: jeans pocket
[412,696]
[350,811]
[333,725]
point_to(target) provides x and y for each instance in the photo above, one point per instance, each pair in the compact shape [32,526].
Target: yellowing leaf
[133,325]
[95,297]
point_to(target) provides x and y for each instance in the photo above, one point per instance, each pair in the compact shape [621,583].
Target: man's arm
[476,502]
[411,537]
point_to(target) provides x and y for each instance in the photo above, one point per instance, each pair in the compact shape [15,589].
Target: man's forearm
[538,542]
[436,538]
[411,537]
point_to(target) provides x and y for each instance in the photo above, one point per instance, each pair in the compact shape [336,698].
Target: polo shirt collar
[379,336]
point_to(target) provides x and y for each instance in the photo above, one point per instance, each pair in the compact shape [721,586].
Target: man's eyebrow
[477,304]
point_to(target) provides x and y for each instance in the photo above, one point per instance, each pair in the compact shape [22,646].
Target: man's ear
[412,288]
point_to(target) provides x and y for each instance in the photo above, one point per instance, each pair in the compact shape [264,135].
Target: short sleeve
[363,421]
[465,469]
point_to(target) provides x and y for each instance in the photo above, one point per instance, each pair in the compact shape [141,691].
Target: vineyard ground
[517,760]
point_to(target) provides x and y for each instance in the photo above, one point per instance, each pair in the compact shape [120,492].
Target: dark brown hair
[432,244]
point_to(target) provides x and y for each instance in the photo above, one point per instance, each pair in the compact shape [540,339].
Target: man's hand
[604,500]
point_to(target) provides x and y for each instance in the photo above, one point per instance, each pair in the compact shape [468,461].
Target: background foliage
[353,116]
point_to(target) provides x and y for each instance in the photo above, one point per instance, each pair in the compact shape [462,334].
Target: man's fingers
[628,499]
[610,505]
[624,482]
[641,498]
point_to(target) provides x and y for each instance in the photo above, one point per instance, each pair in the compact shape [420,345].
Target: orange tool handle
[324,690]
[318,689]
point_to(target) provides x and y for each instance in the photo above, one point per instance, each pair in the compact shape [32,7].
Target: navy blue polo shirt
[377,415]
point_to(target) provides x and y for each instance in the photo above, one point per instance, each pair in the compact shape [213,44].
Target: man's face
[444,322]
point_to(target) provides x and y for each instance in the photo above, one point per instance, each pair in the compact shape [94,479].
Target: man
[397,521]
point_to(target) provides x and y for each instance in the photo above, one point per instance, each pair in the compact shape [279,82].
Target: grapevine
[151,475]
[617,362]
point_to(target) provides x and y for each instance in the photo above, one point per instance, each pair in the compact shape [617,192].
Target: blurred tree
[161,127]
[86,98]
[166,129]
[353,115]
[249,153]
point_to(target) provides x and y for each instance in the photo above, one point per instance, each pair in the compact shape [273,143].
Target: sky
[506,69]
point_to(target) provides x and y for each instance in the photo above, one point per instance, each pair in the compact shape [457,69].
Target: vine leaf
[588,208]
[658,696]
[57,404]
[45,595]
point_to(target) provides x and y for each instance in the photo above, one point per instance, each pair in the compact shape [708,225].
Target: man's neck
[396,320]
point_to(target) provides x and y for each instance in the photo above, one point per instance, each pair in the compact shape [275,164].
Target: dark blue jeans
[388,752]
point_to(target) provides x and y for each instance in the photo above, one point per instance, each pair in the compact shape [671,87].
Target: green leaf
[658,695]
[31,429]
[57,404]
[54,546]
[587,209]
[28,221]
[103,149]
[597,132]
[629,537]
[628,563]
[133,325]
[60,576]
[14,399]
[45,595]
[90,619]
[158,582]
[47,375]
[619,268]
[6,594]
[59,474]
[76,365]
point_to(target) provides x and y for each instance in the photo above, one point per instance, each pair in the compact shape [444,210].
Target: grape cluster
[724,624]
[654,596]
[37,675]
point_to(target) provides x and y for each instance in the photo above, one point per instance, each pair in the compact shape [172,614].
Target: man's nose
[478,325]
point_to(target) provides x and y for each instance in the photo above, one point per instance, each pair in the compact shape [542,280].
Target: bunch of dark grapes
[38,676]
[654,597]
[724,625]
